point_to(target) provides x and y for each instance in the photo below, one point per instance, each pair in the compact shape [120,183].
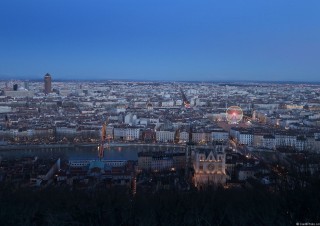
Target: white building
[242,136]
[5,109]
[169,103]
[132,133]
[126,133]
[68,130]
[19,93]
[130,119]
[179,102]
[219,135]
[121,108]
[245,138]
[165,136]
[284,139]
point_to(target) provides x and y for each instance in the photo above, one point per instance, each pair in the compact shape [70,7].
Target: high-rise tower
[47,83]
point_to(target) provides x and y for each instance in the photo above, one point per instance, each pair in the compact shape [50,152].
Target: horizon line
[163,80]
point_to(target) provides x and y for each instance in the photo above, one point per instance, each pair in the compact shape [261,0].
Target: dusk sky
[161,39]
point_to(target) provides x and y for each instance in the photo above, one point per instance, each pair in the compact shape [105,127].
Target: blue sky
[161,39]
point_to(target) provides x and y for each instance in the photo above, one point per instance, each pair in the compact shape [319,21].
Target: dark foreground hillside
[116,207]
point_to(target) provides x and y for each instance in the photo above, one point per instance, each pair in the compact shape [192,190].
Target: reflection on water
[110,153]
[46,154]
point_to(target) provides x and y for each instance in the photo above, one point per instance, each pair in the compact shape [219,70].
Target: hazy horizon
[40,79]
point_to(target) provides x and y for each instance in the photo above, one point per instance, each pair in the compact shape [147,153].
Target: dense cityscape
[159,113]
[146,138]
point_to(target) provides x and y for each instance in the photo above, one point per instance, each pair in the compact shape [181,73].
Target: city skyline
[168,41]
[39,78]
[219,145]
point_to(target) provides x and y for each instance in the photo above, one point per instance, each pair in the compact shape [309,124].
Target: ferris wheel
[234,114]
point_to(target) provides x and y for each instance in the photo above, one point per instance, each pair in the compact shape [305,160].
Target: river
[128,152]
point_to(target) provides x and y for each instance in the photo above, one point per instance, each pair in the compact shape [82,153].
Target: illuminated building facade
[210,167]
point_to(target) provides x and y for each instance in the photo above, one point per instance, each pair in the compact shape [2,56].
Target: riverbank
[77,146]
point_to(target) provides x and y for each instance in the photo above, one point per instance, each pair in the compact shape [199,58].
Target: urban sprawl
[181,131]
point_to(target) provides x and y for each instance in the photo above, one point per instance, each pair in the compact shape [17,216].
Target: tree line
[116,206]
